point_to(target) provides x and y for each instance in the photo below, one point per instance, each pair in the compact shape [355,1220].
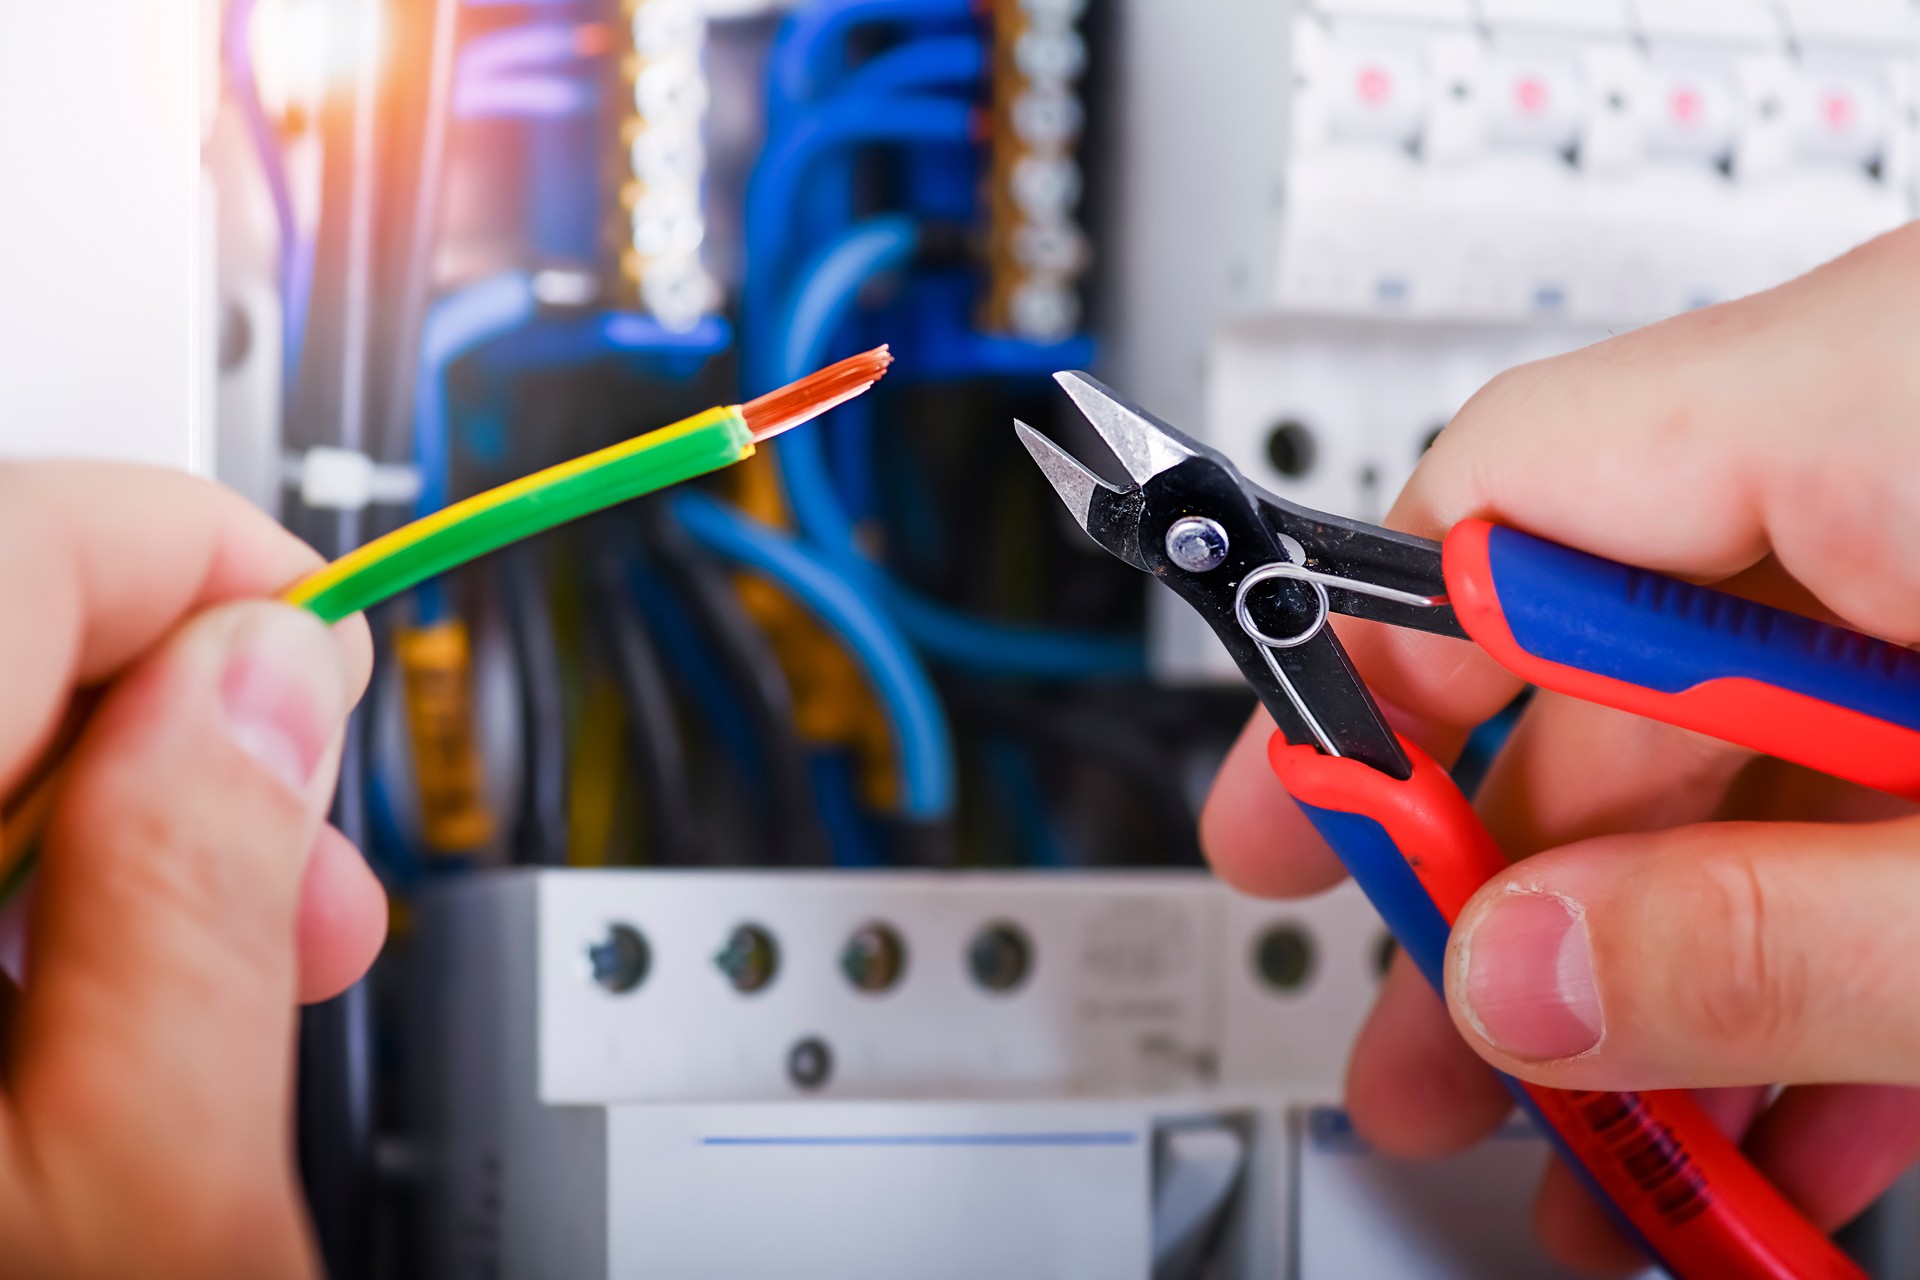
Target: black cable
[924,845]
[658,753]
[752,668]
[334,1100]
[1111,738]
[542,835]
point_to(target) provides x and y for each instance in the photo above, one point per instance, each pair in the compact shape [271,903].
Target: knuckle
[1736,980]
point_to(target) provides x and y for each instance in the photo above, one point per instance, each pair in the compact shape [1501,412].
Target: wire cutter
[1266,574]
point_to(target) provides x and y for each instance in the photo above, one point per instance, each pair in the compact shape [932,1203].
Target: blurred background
[801,879]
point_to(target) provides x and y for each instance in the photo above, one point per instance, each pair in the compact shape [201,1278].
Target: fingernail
[284,691]
[1529,985]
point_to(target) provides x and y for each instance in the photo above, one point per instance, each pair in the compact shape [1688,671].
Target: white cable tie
[331,479]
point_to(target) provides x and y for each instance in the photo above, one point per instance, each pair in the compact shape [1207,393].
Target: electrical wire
[818,309]
[456,325]
[774,190]
[531,46]
[752,666]
[719,710]
[672,837]
[933,62]
[525,98]
[918,721]
[1077,730]
[456,535]
[423,227]
[810,50]
[542,838]
[501,311]
[295,256]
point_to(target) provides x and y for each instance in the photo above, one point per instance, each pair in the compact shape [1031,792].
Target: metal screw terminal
[750,959]
[1000,957]
[620,960]
[1197,544]
[874,958]
[1284,957]
[810,1063]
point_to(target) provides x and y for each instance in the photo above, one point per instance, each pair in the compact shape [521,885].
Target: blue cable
[927,775]
[502,308]
[851,831]
[295,258]
[935,62]
[681,644]
[829,291]
[811,48]
[774,190]
[455,325]
[932,63]
[1011,766]
[574,340]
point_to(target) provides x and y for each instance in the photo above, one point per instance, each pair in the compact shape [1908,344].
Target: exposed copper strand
[813,395]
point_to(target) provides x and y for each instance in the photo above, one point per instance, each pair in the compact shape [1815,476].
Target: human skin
[190,894]
[1681,914]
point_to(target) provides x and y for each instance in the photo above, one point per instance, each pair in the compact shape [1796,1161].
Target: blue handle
[1647,629]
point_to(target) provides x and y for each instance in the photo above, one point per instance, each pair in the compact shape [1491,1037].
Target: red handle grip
[1420,852]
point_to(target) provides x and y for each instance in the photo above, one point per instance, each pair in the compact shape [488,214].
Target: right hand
[1647,941]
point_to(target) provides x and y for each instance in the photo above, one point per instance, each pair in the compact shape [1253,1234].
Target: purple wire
[523,96]
[295,257]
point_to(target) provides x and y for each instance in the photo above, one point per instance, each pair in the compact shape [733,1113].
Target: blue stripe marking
[1096,1138]
[1660,633]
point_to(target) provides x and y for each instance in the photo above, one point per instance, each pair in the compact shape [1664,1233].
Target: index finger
[98,561]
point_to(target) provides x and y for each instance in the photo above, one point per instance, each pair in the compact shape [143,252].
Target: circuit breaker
[654,1074]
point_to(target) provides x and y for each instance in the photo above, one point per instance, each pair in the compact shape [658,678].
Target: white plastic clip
[343,480]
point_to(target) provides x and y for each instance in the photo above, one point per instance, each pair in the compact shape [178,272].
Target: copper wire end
[813,395]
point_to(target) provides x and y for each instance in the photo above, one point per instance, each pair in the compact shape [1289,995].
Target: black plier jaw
[1263,572]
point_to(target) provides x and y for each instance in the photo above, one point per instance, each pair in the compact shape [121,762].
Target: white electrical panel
[1135,1088]
[107,256]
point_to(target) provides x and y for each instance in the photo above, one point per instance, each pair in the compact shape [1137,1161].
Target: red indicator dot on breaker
[1837,110]
[1687,105]
[1374,85]
[1530,95]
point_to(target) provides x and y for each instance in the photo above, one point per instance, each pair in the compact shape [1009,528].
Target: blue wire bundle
[794,311]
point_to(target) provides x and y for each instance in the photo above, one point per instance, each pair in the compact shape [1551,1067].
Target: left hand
[189,893]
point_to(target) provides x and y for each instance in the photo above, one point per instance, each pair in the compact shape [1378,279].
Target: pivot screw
[1197,544]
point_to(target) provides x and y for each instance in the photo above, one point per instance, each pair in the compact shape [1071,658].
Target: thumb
[1724,954]
[158,1016]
